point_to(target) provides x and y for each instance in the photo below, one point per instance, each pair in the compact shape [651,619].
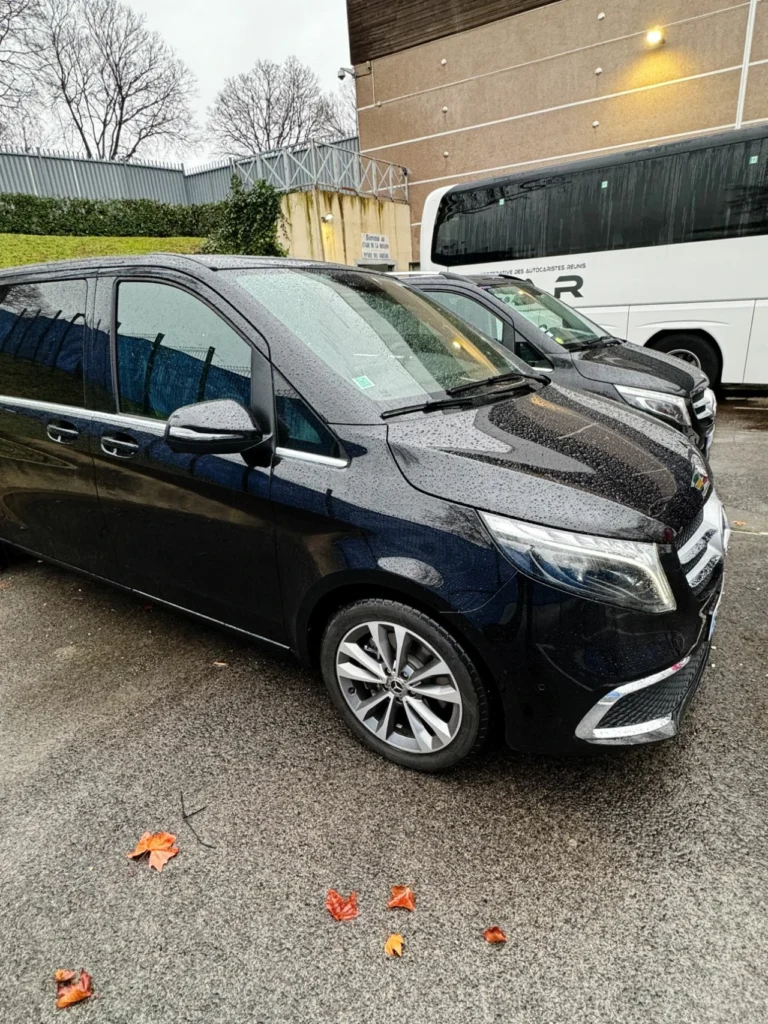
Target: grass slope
[18,249]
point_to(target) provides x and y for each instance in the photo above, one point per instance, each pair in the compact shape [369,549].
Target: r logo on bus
[569,286]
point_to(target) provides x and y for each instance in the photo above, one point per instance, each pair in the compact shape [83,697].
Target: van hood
[557,457]
[640,367]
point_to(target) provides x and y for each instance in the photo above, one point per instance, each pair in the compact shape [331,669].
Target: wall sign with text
[375,247]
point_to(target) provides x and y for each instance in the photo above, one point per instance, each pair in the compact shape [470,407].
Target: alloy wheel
[399,687]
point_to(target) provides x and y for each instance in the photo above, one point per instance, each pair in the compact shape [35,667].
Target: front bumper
[646,710]
[566,667]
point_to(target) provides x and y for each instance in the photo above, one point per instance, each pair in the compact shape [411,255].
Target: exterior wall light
[655,37]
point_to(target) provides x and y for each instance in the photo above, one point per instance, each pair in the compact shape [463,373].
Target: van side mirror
[222,427]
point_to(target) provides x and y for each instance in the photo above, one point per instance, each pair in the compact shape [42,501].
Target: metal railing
[337,166]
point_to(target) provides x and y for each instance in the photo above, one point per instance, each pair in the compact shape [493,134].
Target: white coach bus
[667,247]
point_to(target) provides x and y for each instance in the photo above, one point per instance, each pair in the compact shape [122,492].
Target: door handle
[120,446]
[62,432]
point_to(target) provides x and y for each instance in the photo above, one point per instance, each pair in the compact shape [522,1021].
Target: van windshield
[563,324]
[377,334]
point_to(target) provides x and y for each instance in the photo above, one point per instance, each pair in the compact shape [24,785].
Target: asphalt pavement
[632,885]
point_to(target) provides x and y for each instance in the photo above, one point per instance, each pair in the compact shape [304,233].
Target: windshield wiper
[429,405]
[604,341]
[463,394]
[505,378]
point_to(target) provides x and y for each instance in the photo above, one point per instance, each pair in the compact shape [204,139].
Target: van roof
[170,260]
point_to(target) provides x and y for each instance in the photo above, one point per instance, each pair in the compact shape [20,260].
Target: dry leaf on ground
[739,522]
[70,991]
[494,935]
[394,945]
[339,908]
[220,664]
[159,846]
[402,896]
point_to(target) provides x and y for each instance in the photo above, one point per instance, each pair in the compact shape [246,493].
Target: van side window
[491,326]
[530,355]
[470,310]
[173,350]
[42,331]
[298,428]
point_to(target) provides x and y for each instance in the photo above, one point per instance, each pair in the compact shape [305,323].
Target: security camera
[342,73]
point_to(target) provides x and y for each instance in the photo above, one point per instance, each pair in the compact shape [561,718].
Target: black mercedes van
[556,339]
[319,458]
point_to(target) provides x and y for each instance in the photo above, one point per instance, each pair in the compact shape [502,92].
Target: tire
[404,719]
[692,348]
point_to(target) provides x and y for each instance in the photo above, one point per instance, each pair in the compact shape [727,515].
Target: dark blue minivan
[318,457]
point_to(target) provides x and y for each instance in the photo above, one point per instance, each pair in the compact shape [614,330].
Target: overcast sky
[219,38]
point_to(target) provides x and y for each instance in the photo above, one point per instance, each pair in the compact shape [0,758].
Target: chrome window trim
[589,729]
[152,426]
[319,460]
[140,422]
[146,423]
[54,407]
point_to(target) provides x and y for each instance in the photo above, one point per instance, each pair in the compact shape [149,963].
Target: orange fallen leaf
[394,945]
[68,991]
[159,858]
[494,935]
[339,908]
[402,896]
[739,522]
[159,847]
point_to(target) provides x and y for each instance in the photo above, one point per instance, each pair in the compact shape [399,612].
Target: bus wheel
[692,348]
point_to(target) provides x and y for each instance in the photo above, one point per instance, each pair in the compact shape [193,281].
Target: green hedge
[18,249]
[41,215]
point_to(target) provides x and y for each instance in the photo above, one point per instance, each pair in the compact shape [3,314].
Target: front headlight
[666,407]
[621,572]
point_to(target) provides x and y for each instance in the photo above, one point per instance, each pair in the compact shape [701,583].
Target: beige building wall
[564,81]
[308,233]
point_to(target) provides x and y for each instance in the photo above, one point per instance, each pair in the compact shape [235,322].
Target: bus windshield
[563,324]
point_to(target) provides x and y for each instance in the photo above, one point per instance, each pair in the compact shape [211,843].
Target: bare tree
[271,106]
[16,51]
[115,87]
[343,115]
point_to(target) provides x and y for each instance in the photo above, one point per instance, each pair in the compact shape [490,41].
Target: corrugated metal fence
[338,166]
[59,174]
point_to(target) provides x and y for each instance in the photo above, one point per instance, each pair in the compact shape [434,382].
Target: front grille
[705,406]
[661,700]
[701,546]
[692,528]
